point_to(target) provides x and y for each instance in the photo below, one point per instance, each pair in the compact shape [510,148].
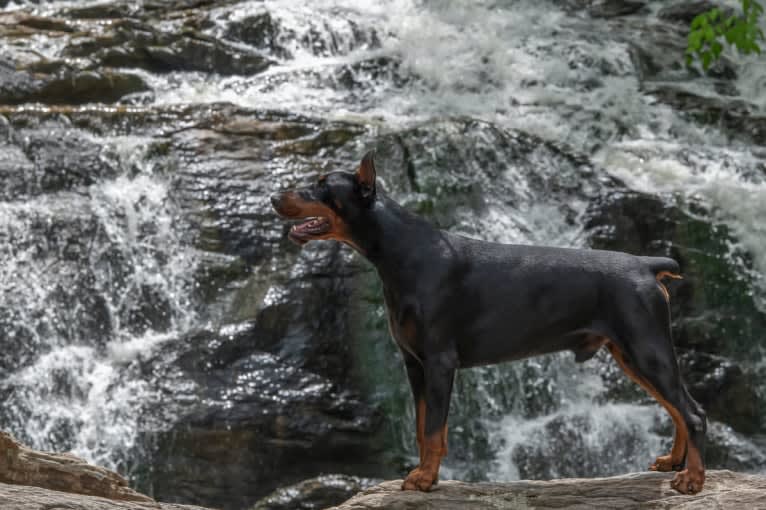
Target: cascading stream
[90,282]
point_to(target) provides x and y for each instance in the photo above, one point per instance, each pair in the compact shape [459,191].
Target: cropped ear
[365,176]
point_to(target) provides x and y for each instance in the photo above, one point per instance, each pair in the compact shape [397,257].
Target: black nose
[275,199]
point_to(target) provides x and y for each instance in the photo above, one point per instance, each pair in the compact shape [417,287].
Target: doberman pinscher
[455,302]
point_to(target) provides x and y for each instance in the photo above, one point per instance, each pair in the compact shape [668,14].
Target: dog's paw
[688,482]
[664,463]
[419,480]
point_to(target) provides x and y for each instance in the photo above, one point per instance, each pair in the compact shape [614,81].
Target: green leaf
[706,59]
[716,48]
[709,31]
[697,21]
[695,41]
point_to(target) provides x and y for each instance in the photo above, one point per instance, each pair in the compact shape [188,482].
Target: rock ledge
[25,497]
[723,489]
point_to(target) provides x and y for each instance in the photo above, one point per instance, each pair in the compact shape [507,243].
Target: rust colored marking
[663,289]
[681,435]
[444,441]
[426,475]
[433,446]
[421,424]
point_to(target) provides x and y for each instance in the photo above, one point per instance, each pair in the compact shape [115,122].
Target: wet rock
[249,422]
[737,118]
[147,309]
[685,12]
[723,489]
[111,10]
[66,86]
[605,8]
[132,43]
[51,159]
[447,169]
[260,31]
[317,493]
[614,8]
[230,167]
[366,74]
[656,50]
[727,391]
[198,54]
[17,22]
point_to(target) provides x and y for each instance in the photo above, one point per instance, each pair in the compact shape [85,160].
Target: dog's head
[330,206]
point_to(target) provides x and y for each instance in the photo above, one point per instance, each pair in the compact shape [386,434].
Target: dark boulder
[737,118]
[247,422]
[66,86]
[685,12]
[44,158]
[315,494]
[615,8]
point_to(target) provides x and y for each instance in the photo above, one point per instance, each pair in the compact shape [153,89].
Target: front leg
[439,373]
[416,376]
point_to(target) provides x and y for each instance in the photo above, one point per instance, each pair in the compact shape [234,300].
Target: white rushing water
[532,66]
[75,307]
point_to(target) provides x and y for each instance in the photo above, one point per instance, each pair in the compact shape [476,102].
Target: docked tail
[663,267]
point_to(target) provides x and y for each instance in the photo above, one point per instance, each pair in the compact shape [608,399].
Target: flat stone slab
[649,490]
[25,497]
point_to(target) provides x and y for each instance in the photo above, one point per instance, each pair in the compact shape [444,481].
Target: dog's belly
[552,315]
[583,342]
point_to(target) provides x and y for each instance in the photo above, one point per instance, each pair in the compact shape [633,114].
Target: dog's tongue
[311,226]
[306,225]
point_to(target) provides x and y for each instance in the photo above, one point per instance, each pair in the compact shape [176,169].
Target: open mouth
[311,227]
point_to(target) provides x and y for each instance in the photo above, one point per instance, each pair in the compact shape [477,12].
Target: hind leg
[645,351]
[675,459]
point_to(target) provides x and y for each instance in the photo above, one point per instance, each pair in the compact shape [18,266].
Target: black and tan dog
[455,302]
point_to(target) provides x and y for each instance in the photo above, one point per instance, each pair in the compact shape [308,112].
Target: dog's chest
[403,325]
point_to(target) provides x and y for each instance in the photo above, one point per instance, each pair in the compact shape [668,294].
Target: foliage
[740,30]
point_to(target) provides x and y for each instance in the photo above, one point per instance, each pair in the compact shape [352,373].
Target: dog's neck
[394,239]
